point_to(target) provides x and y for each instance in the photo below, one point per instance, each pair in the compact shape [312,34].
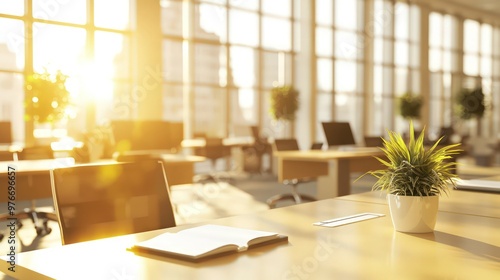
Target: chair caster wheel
[39,231]
[19,225]
[1,237]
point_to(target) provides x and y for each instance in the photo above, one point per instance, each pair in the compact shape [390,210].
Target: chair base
[39,219]
[297,198]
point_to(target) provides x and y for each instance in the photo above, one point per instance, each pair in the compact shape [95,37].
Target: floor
[201,203]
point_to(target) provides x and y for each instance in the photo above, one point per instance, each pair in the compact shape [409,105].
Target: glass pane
[434,60]
[276,34]
[276,69]
[471,65]
[296,36]
[415,23]
[447,32]
[447,61]
[297,9]
[64,11]
[379,18]
[12,7]
[377,80]
[12,103]
[277,7]
[112,55]
[415,81]
[210,61]
[345,76]
[346,14]
[114,106]
[486,65]
[50,52]
[244,106]
[415,55]
[378,50]
[324,12]
[324,41]
[213,1]
[401,52]
[486,38]
[212,21]
[11,44]
[471,36]
[387,87]
[244,70]
[247,4]
[171,17]
[346,45]
[173,106]
[243,28]
[435,29]
[496,42]
[209,108]
[496,68]
[323,112]
[401,81]
[325,74]
[119,18]
[172,61]
[388,55]
[402,20]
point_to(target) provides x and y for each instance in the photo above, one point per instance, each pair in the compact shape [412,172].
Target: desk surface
[326,155]
[457,201]
[461,247]
[228,142]
[36,165]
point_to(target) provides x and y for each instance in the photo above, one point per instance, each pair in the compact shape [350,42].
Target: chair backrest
[338,133]
[36,152]
[289,144]
[104,200]
[5,132]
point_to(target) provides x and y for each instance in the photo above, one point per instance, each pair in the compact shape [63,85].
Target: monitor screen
[338,133]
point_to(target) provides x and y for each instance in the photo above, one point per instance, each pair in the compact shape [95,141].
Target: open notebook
[478,185]
[206,241]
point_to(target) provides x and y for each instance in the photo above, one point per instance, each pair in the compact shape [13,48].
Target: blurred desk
[332,167]
[461,247]
[178,168]
[226,142]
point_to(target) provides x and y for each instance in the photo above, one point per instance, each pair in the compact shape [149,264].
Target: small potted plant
[284,103]
[409,106]
[414,179]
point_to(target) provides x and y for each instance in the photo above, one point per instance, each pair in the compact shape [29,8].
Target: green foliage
[284,103]
[470,103]
[46,97]
[409,106]
[412,170]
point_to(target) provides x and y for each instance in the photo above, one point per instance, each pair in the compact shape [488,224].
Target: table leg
[337,182]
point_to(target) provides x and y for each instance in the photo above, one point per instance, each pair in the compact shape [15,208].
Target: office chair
[213,150]
[39,218]
[290,145]
[104,200]
[254,153]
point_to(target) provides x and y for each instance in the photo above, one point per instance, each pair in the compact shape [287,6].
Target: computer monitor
[338,133]
[5,132]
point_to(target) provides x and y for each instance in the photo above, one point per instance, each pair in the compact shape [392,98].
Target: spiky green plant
[412,170]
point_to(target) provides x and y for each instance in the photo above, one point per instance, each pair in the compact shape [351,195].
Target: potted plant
[46,97]
[414,179]
[284,104]
[409,106]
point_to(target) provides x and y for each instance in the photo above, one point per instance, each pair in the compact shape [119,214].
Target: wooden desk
[457,201]
[332,167]
[461,247]
[178,168]
[27,173]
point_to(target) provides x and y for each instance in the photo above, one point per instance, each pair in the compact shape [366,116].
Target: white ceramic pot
[413,214]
